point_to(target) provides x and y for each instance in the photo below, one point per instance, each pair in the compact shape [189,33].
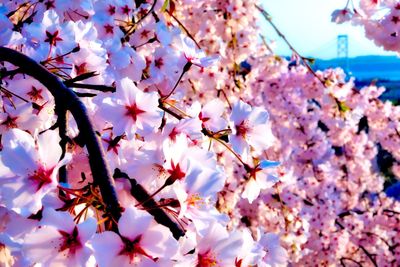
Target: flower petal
[107,246]
[165,246]
[133,223]
[57,219]
[19,153]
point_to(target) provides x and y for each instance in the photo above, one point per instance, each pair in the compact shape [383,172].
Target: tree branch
[150,205]
[67,98]
[62,131]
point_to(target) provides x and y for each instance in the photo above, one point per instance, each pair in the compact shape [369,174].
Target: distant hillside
[365,67]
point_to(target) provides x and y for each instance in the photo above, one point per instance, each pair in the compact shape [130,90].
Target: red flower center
[10,122]
[202,118]
[35,94]
[206,259]
[113,143]
[109,28]
[125,10]
[144,34]
[253,172]
[241,129]
[41,177]
[52,38]
[49,4]
[81,69]
[111,10]
[159,62]
[176,172]
[133,249]
[173,134]
[70,241]
[133,111]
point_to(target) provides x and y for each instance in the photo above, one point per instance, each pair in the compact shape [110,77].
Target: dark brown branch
[9,73]
[80,77]
[62,131]
[71,102]
[349,259]
[150,205]
[101,88]
[369,255]
[85,94]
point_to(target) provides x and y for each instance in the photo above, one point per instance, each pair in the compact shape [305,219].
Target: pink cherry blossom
[131,110]
[194,55]
[59,241]
[341,15]
[135,245]
[35,169]
[249,128]
[275,254]
[260,177]
[217,247]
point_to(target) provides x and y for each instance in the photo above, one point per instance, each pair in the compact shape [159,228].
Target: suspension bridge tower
[343,50]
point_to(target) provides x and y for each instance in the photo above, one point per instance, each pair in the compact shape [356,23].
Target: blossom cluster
[251,159]
[379,18]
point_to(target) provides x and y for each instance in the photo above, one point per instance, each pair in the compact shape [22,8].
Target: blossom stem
[185,69]
[184,28]
[76,49]
[170,180]
[231,150]
[174,114]
[349,259]
[133,27]
[11,73]
[6,91]
[369,255]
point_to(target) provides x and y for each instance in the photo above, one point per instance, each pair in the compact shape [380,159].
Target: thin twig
[133,27]
[349,259]
[369,255]
[185,69]
[266,15]
[184,28]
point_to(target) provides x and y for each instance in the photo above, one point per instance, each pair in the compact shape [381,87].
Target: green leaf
[165,5]
[343,107]
[309,60]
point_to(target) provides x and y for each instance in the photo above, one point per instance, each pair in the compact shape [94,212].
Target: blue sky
[307,25]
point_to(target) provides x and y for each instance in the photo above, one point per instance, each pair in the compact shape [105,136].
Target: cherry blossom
[135,245]
[59,241]
[194,55]
[217,247]
[34,168]
[341,15]
[49,36]
[260,177]
[131,110]
[275,254]
[249,128]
